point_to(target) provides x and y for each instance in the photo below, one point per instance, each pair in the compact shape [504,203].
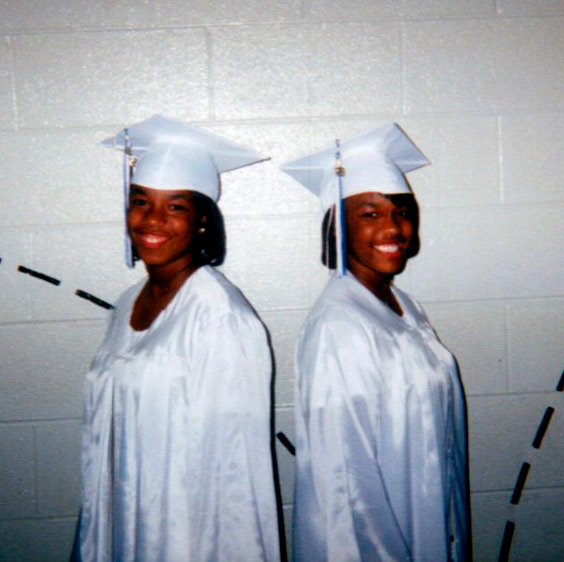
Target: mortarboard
[166,153]
[372,161]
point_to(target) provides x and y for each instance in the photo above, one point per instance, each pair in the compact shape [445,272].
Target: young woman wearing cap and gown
[176,460]
[381,470]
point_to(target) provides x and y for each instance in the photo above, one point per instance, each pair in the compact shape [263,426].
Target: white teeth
[153,239]
[389,248]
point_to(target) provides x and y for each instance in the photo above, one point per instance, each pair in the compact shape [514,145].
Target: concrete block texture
[271,65]
[538,525]
[15,250]
[475,333]
[88,79]
[129,13]
[59,176]
[483,65]
[490,511]
[332,10]
[263,189]
[86,257]
[536,354]
[501,432]
[448,8]
[30,15]
[7,101]
[36,540]
[284,327]
[42,368]
[58,468]
[489,253]
[18,495]
[62,15]
[464,156]
[536,177]
[537,8]
[300,71]
[259,263]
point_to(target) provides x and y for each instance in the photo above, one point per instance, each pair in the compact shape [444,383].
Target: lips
[390,249]
[151,240]
[387,248]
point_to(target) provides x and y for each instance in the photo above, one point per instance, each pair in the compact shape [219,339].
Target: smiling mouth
[151,240]
[388,248]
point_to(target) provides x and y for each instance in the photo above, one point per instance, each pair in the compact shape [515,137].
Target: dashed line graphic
[509,531]
[57,282]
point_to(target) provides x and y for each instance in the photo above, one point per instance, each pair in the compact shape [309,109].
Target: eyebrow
[180,196]
[373,205]
[369,204]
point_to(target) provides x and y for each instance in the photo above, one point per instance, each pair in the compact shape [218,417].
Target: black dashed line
[87,296]
[560,386]
[286,442]
[523,473]
[39,275]
[520,484]
[543,427]
[506,542]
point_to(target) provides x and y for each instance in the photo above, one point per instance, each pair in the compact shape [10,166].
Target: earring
[201,230]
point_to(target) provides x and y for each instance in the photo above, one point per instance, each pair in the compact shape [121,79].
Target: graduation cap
[166,153]
[374,161]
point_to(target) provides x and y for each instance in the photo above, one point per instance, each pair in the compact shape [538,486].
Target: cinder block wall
[478,84]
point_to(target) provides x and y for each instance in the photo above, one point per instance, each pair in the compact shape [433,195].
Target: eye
[371,214]
[137,202]
[177,207]
[402,212]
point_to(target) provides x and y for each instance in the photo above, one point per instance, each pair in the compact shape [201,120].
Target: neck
[170,277]
[379,284]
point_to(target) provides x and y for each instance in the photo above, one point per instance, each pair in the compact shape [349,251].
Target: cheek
[360,232]
[132,218]
[407,231]
[186,228]
[357,239]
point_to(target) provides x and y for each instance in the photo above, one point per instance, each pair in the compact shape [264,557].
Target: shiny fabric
[176,459]
[381,443]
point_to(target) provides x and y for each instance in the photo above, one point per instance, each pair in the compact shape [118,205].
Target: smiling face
[379,237]
[162,227]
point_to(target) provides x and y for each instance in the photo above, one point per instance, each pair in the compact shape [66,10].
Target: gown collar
[355,290]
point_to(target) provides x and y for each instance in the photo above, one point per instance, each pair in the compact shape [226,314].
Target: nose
[154,215]
[391,226]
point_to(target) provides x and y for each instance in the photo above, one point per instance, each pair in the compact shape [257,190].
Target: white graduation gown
[176,458]
[381,443]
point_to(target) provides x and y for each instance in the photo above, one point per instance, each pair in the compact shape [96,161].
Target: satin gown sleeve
[346,486]
[231,481]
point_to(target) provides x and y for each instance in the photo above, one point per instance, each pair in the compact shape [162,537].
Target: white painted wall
[478,84]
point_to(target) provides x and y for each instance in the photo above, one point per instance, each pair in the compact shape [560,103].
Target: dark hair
[209,242]
[328,236]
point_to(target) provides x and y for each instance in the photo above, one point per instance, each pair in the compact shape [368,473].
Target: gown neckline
[157,320]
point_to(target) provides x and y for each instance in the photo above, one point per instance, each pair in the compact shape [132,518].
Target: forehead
[162,194]
[370,198]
